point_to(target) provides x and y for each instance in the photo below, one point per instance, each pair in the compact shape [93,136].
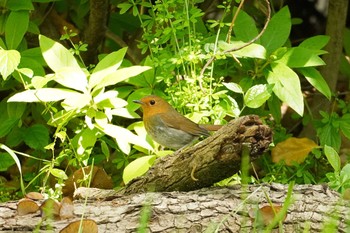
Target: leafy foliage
[62,114]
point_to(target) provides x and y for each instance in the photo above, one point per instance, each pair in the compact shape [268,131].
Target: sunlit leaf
[121,75]
[43,95]
[257,95]
[106,66]
[123,137]
[71,77]
[9,61]
[292,150]
[233,87]
[137,168]
[56,55]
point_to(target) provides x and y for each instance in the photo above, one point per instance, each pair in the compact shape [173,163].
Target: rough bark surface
[209,161]
[221,209]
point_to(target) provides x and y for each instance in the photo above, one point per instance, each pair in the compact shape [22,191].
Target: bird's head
[153,104]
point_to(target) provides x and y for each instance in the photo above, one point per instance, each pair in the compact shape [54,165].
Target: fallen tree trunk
[209,209]
[212,160]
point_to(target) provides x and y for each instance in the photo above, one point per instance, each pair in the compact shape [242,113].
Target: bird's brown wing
[177,121]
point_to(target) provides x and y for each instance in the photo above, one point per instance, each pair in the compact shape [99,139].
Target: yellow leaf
[293,150]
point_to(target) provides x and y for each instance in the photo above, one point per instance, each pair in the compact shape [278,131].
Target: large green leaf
[314,77]
[43,95]
[286,86]
[9,60]
[315,42]
[277,32]
[16,110]
[36,136]
[245,28]
[120,75]
[7,125]
[56,55]
[15,5]
[16,27]
[301,57]
[106,66]
[138,167]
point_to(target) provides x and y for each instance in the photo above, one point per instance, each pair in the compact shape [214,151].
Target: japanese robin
[168,127]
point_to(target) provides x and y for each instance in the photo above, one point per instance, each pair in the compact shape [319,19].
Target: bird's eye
[152,102]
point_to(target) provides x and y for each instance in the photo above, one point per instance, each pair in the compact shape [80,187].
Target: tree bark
[222,209]
[212,160]
[95,31]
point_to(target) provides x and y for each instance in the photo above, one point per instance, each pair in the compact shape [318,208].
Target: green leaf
[58,173]
[315,42]
[252,50]
[7,125]
[71,77]
[43,95]
[257,95]
[301,57]
[9,61]
[106,66]
[6,161]
[242,23]
[120,75]
[234,87]
[138,167]
[332,157]
[16,27]
[314,77]
[36,137]
[286,86]
[278,30]
[124,7]
[56,55]
[85,140]
[345,125]
[105,150]
[15,5]
[329,135]
[16,110]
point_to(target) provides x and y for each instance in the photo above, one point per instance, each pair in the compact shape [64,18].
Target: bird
[168,127]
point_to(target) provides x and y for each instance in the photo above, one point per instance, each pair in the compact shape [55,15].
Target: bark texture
[213,159]
[209,209]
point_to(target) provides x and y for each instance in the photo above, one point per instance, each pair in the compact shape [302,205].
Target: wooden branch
[221,209]
[209,161]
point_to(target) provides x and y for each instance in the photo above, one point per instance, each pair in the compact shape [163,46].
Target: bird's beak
[137,101]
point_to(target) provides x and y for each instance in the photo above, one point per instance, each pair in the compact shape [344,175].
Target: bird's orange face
[152,105]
